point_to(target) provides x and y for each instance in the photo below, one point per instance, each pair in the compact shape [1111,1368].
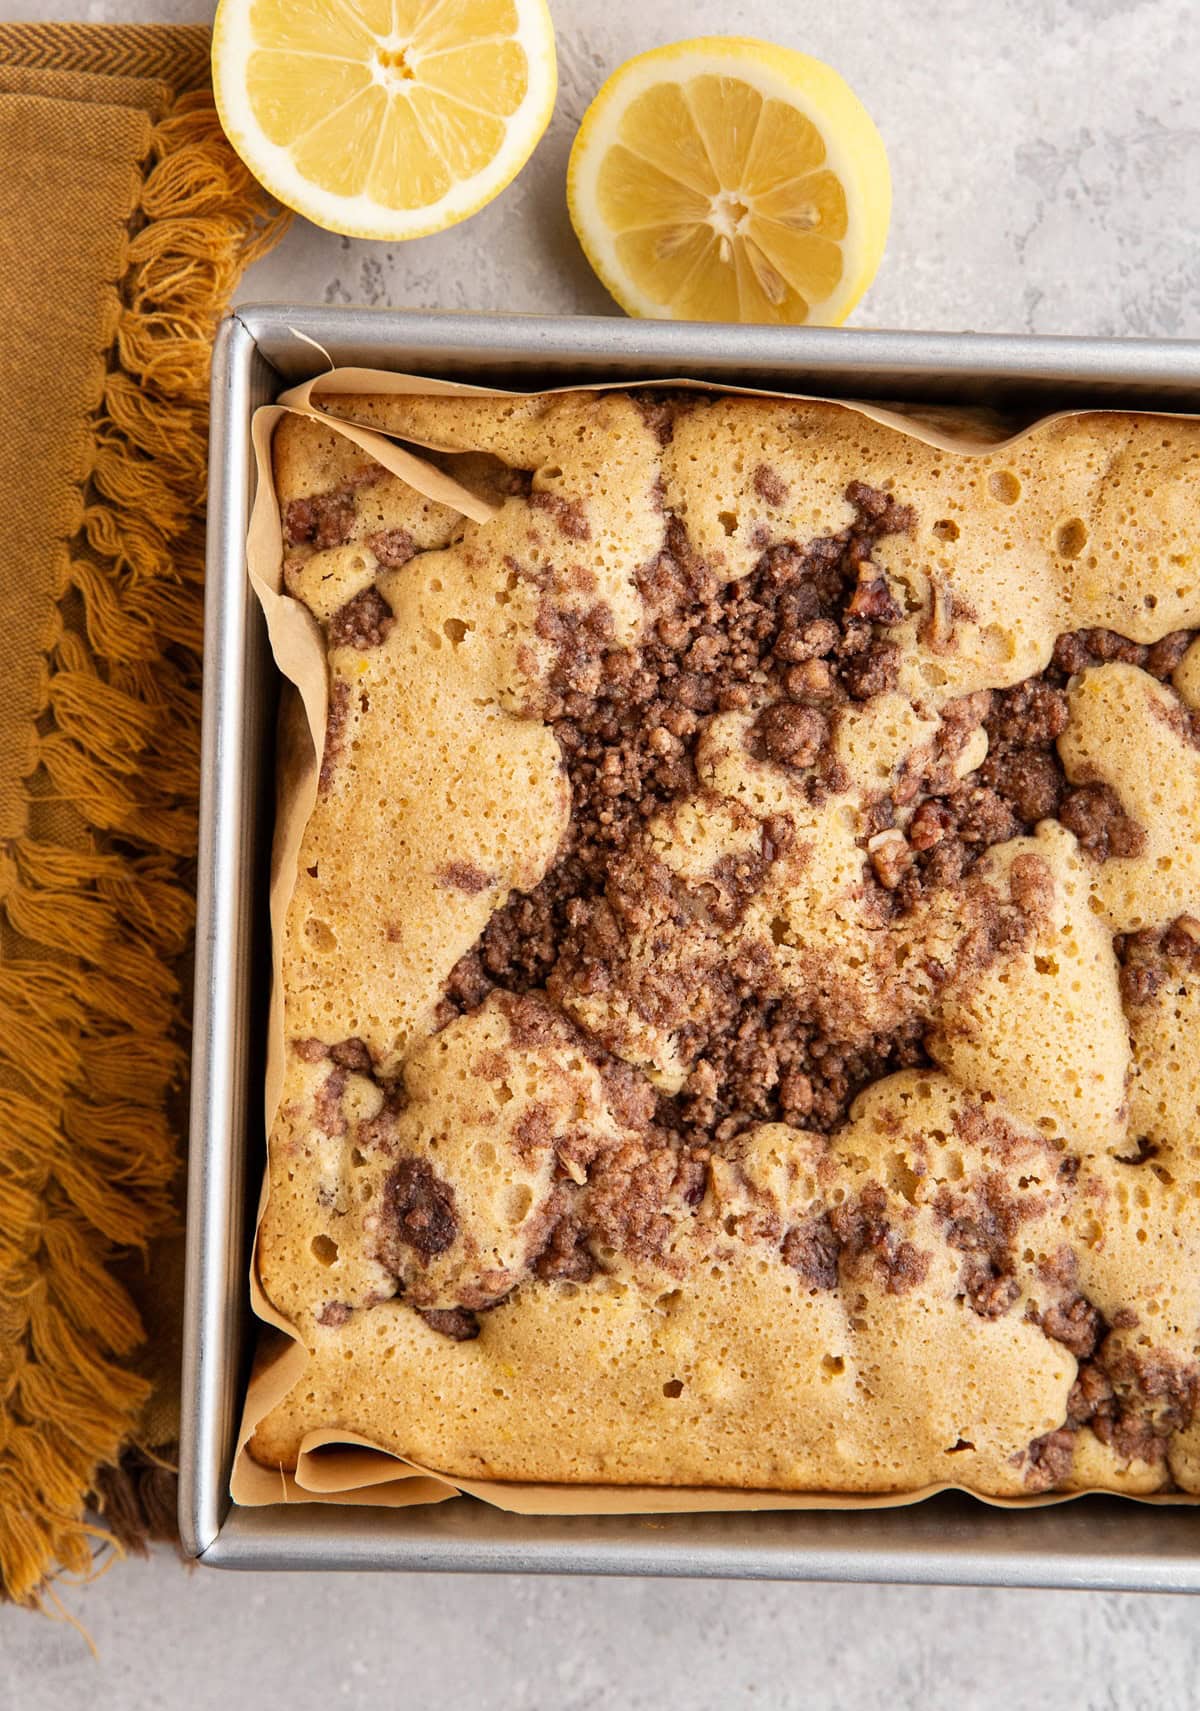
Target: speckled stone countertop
[1046,158]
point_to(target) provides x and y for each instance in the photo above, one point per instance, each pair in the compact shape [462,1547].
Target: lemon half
[384,118]
[725,179]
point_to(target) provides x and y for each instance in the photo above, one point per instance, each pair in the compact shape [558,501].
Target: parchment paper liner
[335,1465]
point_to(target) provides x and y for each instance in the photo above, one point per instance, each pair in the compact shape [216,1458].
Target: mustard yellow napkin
[125,222]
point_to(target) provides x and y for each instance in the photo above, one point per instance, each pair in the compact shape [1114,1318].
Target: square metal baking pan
[1096,1542]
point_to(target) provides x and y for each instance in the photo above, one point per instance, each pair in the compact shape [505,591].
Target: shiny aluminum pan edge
[1096,1542]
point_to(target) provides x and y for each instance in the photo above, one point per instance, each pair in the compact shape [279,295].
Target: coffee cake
[742,987]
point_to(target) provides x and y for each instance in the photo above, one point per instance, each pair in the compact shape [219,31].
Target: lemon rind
[854,151]
[361,216]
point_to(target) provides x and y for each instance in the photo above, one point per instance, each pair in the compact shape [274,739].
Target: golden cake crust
[742,985]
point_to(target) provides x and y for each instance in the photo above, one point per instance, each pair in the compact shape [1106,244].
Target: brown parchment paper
[334,1465]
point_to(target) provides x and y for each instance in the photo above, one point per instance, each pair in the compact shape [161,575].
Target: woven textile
[125,223]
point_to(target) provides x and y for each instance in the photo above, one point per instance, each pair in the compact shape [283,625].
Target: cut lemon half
[724,179]
[384,118]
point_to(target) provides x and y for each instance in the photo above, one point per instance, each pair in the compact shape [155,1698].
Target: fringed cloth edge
[94,1000]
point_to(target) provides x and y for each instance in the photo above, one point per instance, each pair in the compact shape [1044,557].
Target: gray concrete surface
[1046,156]
[216,1642]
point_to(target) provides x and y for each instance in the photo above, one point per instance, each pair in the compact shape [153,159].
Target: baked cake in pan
[742,987]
